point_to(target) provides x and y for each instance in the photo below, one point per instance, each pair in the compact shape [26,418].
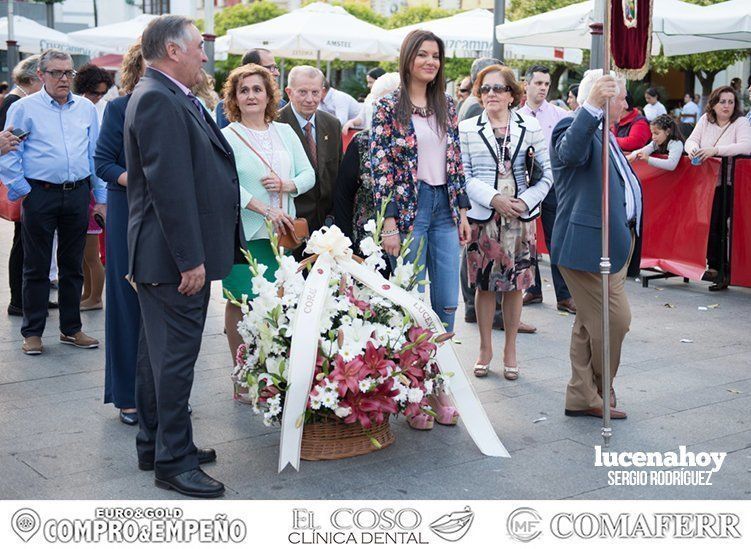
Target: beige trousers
[586,335]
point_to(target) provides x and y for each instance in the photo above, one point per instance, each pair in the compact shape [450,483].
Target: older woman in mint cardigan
[273,169]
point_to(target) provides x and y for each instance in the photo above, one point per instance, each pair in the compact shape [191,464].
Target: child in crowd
[666,139]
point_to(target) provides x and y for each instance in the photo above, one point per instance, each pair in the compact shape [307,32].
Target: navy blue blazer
[109,158]
[576,159]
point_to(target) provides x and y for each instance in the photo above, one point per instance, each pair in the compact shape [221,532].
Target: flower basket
[334,439]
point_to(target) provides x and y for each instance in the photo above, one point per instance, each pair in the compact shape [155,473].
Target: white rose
[343,411]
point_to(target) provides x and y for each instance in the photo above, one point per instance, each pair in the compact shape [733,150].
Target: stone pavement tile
[531,473]
[680,428]
[740,403]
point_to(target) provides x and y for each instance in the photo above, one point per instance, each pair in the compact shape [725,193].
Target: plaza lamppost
[499,16]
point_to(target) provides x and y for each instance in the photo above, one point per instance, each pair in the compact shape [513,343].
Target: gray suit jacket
[183,192]
[576,158]
[316,204]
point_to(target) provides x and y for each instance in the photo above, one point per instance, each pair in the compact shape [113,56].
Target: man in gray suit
[576,158]
[183,232]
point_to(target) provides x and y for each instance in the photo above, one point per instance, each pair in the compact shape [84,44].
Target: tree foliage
[704,65]
[241,15]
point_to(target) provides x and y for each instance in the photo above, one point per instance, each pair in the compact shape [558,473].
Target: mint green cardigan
[250,169]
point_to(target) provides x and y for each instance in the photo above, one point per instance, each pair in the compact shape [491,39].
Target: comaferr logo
[646,525]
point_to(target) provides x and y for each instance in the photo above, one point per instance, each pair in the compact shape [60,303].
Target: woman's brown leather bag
[290,240]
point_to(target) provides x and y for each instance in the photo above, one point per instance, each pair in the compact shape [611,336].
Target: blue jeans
[435,226]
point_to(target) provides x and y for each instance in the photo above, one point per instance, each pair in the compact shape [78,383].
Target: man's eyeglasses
[57,75]
[497,88]
[272,68]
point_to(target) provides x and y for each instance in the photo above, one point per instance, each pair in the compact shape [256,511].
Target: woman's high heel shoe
[446,413]
[421,422]
[511,373]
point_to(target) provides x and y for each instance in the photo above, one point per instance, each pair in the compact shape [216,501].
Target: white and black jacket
[480,161]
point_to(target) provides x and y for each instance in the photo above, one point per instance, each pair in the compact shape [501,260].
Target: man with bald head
[321,136]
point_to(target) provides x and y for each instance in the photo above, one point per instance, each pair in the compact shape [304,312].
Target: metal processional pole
[605,259]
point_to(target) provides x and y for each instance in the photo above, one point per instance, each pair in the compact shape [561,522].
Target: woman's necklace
[425,112]
[500,149]
[23,91]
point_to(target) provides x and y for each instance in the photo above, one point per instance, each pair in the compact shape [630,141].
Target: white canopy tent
[316,31]
[35,38]
[727,23]
[115,38]
[569,27]
[470,34]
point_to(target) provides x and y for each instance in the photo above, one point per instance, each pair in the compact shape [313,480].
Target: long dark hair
[666,123]
[436,91]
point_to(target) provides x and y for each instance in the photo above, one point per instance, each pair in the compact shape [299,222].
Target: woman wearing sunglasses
[508,174]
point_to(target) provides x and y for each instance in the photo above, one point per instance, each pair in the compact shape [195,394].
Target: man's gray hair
[26,71]
[479,64]
[164,30]
[51,55]
[590,77]
[306,71]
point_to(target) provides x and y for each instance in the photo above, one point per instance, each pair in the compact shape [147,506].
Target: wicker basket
[336,440]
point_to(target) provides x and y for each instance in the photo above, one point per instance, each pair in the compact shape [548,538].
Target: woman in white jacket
[507,169]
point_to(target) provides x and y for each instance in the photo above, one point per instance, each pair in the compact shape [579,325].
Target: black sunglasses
[497,88]
[464,90]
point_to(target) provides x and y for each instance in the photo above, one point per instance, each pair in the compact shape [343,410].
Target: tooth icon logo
[454,526]
[25,523]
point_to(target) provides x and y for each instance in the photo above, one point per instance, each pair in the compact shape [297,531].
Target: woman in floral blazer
[416,161]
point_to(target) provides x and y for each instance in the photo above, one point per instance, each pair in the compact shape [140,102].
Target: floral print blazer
[393,159]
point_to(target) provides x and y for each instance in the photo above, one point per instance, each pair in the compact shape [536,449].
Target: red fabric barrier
[347,137]
[740,251]
[677,211]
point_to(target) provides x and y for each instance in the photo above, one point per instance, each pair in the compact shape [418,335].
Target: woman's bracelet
[267,212]
[393,232]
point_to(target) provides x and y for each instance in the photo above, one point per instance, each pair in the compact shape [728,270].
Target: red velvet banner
[677,210]
[740,251]
[631,33]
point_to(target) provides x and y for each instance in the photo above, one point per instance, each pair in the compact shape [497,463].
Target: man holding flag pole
[599,216]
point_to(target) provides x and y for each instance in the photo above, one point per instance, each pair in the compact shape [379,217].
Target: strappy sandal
[421,422]
[481,370]
[512,374]
[446,414]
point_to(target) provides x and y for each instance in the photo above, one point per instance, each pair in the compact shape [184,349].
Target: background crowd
[465,178]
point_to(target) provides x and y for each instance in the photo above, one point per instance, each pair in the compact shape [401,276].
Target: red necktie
[311,144]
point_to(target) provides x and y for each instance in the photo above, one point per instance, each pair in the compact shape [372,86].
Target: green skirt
[238,281]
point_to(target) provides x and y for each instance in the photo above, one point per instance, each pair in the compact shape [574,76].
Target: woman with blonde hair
[122,317]
[508,173]
[273,169]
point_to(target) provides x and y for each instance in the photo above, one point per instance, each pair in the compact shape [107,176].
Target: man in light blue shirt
[52,171]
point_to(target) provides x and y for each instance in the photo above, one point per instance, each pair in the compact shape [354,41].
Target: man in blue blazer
[576,158]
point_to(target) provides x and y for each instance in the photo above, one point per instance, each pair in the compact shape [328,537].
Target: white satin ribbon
[306,330]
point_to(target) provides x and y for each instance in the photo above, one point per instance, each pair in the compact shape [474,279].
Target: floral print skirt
[501,253]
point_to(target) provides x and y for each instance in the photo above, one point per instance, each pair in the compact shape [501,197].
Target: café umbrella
[316,31]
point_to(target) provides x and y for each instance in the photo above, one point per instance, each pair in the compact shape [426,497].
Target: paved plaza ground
[57,439]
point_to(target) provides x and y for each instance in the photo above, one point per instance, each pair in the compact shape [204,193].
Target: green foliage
[241,15]
[704,65]
[363,12]
[519,9]
[418,14]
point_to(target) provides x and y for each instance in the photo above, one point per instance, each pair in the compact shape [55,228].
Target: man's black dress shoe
[14,310]
[194,483]
[129,418]
[53,305]
[205,455]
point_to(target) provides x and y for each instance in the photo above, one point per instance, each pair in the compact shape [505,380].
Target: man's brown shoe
[80,340]
[596,412]
[32,345]
[531,299]
[567,306]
